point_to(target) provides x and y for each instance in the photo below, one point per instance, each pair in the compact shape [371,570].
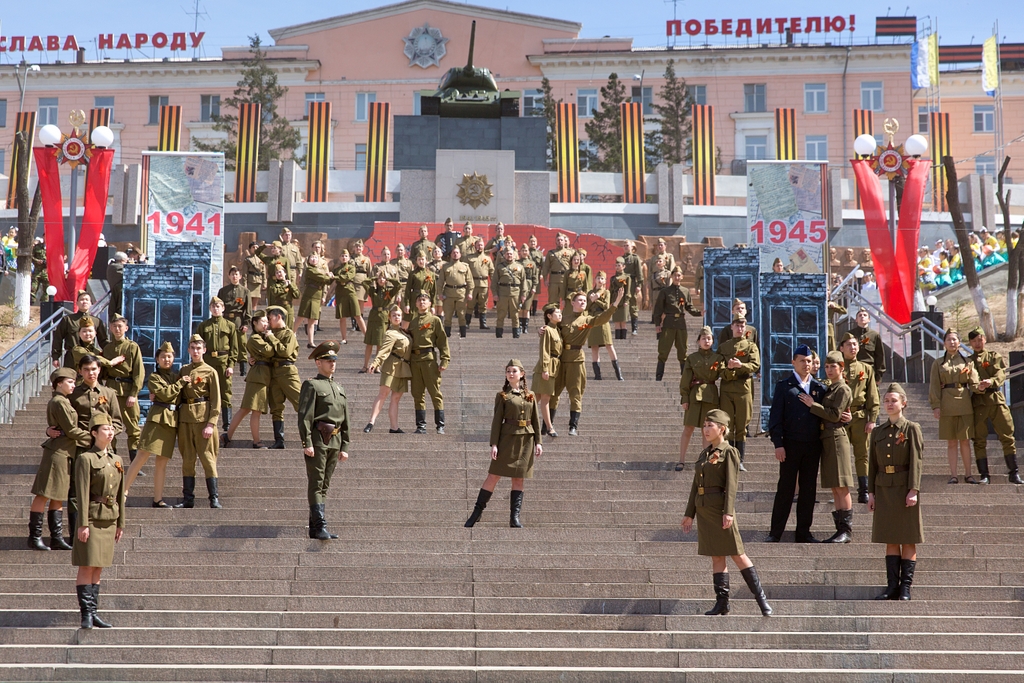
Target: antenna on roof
[195,13]
[675,8]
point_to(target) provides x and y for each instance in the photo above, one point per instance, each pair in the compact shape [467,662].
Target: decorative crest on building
[425,46]
[475,190]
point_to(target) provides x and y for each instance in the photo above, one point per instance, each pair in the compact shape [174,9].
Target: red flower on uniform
[740,354]
[965,370]
[860,375]
[985,364]
[714,458]
[239,301]
[117,464]
[865,340]
[425,327]
[901,437]
[198,379]
[102,400]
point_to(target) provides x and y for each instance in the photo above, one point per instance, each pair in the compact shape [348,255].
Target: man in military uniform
[531,281]
[467,243]
[386,266]
[990,404]
[115,279]
[87,346]
[736,393]
[403,264]
[197,424]
[661,249]
[556,263]
[670,323]
[739,310]
[255,275]
[284,377]
[272,257]
[496,244]
[423,244]
[871,350]
[537,256]
[447,239]
[238,310]
[509,281]
[126,379]
[658,278]
[293,253]
[635,270]
[65,337]
[324,432]
[428,335]
[222,352]
[456,278]
[421,278]
[482,268]
[833,310]
[865,406]
[40,278]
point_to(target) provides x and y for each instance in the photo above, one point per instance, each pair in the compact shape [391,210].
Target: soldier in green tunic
[897,462]
[860,377]
[712,503]
[436,265]
[423,244]
[598,300]
[260,353]
[383,293]
[346,300]
[65,337]
[315,282]
[403,263]
[53,477]
[953,382]
[736,394]
[990,404]
[545,372]
[273,257]
[871,351]
[634,269]
[427,335]
[255,274]
[531,283]
[481,265]
[324,432]
[392,362]
[833,310]
[456,279]
[280,292]
[197,424]
[698,388]
[670,323]
[421,279]
[87,347]
[237,309]
[364,271]
[467,243]
[125,378]
[291,251]
[515,442]
[509,281]
[621,281]
[40,277]
[99,492]
[739,309]
[836,464]
[222,352]
[284,377]
[556,263]
[537,256]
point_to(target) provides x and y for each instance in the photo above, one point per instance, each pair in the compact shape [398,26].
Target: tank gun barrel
[472,42]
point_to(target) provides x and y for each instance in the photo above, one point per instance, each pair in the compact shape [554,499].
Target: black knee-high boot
[278,435]
[421,421]
[482,499]
[574,422]
[721,581]
[892,579]
[188,493]
[659,372]
[597,370]
[85,604]
[55,518]
[618,371]
[844,527]
[754,584]
[95,605]
[515,501]
[35,531]
[1011,466]
[983,475]
[862,489]
[211,489]
[439,421]
[907,568]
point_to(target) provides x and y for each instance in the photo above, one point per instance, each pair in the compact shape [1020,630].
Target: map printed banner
[786,213]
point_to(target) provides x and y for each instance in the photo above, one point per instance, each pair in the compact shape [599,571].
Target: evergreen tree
[671,142]
[278,139]
[550,108]
[604,129]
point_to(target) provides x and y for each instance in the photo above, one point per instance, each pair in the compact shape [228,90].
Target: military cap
[117,317]
[620,259]
[719,417]
[550,307]
[285,231]
[278,310]
[85,321]
[776,262]
[515,363]
[705,332]
[62,374]
[802,350]
[166,347]
[196,338]
[423,294]
[99,418]
[949,331]
[277,243]
[863,310]
[896,388]
[661,240]
[739,319]
[975,333]
[327,350]
[254,243]
[835,358]
[216,300]
[357,243]
[847,337]
[80,294]
[256,315]
[233,269]
[344,252]
[677,269]
[582,253]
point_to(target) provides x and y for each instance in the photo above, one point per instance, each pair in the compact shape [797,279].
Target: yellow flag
[990,60]
[933,59]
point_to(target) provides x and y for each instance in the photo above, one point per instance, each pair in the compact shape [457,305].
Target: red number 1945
[779,232]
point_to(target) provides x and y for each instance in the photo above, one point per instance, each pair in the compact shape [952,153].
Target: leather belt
[169,406]
[893,469]
[121,379]
[106,500]
[702,490]
[481,280]
[192,401]
[455,286]
[264,363]
[423,354]
[557,272]
[832,426]
[283,363]
[512,420]
[573,347]
[954,385]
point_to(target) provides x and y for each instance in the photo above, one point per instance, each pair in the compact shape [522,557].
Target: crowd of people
[943,265]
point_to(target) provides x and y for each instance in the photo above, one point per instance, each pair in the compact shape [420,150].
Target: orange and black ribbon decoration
[170,128]
[785,135]
[99,117]
[377,133]
[247,152]
[25,122]
[703,155]
[633,167]
[938,130]
[567,152]
[863,122]
[318,156]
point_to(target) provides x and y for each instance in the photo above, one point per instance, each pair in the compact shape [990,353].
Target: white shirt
[805,386]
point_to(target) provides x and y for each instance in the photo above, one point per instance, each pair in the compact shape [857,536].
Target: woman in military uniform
[392,362]
[545,372]
[346,300]
[697,389]
[383,294]
[53,478]
[255,401]
[712,503]
[515,442]
[953,381]
[281,292]
[437,264]
[315,281]
[161,428]
[364,268]
[894,485]
[575,279]
[621,281]
[100,491]
[599,300]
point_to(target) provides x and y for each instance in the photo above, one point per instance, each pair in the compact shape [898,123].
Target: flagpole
[999,104]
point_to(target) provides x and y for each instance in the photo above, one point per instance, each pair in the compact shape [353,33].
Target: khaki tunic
[321,399]
[436,267]
[222,349]
[282,293]
[346,299]
[836,452]
[531,285]
[509,283]
[673,302]
[991,405]
[697,388]
[420,280]
[482,268]
[426,246]
[515,430]
[293,253]
[255,276]
[65,337]
[99,493]
[572,375]
[82,350]
[737,388]
[713,494]
[952,385]
[314,283]
[548,361]
[126,380]
[364,271]
[620,281]
[897,460]
[257,381]
[864,406]
[428,334]
[456,278]
[284,377]
[161,429]
[272,262]
[556,264]
[381,299]
[467,247]
[634,269]
[53,478]
[200,406]
[393,360]
[725,334]
[600,335]
[871,350]
[404,266]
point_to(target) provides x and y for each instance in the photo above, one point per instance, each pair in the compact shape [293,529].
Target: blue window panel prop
[792,306]
[731,274]
[199,255]
[155,300]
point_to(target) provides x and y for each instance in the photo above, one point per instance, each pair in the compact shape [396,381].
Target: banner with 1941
[787,214]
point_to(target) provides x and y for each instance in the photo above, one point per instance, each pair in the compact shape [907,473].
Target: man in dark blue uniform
[796,434]
[447,239]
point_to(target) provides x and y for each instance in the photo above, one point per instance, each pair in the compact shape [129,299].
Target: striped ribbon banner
[785,135]
[170,128]
[24,122]
[633,168]
[863,122]
[377,134]
[567,153]
[318,156]
[938,130]
[247,151]
[98,117]
[704,155]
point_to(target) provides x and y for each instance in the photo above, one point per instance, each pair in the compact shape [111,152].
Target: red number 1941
[174,223]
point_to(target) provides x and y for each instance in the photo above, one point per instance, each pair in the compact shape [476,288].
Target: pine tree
[670,143]
[278,139]
[604,129]
[550,109]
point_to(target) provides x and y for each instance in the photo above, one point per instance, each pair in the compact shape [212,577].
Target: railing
[25,369]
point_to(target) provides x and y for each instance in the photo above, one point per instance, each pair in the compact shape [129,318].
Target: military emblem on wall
[475,190]
[425,46]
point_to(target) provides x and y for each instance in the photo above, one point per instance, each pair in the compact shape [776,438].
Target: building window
[533,103]
[588,150]
[647,98]
[756,147]
[363,100]
[985,166]
[871,95]
[314,97]
[984,118]
[923,119]
[817,147]
[755,98]
[416,103]
[699,93]
[105,103]
[209,107]
[47,111]
[3,163]
[586,102]
[3,116]
[361,157]
[155,102]
[815,98]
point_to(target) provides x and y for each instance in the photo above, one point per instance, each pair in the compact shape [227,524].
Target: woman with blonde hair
[599,300]
[393,362]
[952,384]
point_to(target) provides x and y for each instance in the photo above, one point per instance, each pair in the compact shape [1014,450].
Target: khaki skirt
[346,305]
[98,551]
[399,385]
[893,522]
[955,427]
[712,539]
[836,464]
[157,439]
[255,397]
[255,292]
[697,413]
[515,457]
[600,336]
[53,476]
[541,386]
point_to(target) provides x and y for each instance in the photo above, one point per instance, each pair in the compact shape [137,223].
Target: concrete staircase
[600,585]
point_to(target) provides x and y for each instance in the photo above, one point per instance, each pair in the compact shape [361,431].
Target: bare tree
[966,253]
[1015,258]
[28,218]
